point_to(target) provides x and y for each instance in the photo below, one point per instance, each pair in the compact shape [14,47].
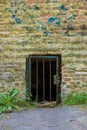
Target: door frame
[58,72]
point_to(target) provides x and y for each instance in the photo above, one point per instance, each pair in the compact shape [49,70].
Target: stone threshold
[46,104]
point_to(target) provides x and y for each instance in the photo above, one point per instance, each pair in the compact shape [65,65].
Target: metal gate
[43,77]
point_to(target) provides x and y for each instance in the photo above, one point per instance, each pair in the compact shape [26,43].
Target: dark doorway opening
[41,71]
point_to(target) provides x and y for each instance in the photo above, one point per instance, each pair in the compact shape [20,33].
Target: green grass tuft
[76,99]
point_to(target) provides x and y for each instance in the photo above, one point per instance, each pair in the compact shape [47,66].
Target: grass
[76,99]
[25,104]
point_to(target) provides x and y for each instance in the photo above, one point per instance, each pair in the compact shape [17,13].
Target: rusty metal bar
[37,79]
[43,80]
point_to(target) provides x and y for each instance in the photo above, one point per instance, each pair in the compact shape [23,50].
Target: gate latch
[56,79]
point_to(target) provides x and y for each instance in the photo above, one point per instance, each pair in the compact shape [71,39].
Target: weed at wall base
[76,98]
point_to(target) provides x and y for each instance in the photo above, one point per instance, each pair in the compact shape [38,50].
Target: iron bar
[43,80]
[27,78]
[37,79]
[29,74]
[27,65]
[44,57]
[57,84]
[50,79]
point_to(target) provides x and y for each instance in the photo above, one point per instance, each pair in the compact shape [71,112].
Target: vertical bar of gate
[27,78]
[57,83]
[27,63]
[43,80]
[37,79]
[50,80]
[29,74]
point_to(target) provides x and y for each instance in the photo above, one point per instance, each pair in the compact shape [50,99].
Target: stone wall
[41,27]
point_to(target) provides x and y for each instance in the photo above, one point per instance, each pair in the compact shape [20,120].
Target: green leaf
[4,108]
[15,106]
[13,93]
[9,108]
[1,110]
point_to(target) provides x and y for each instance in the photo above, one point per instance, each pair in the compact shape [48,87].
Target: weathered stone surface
[46,104]
[43,27]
